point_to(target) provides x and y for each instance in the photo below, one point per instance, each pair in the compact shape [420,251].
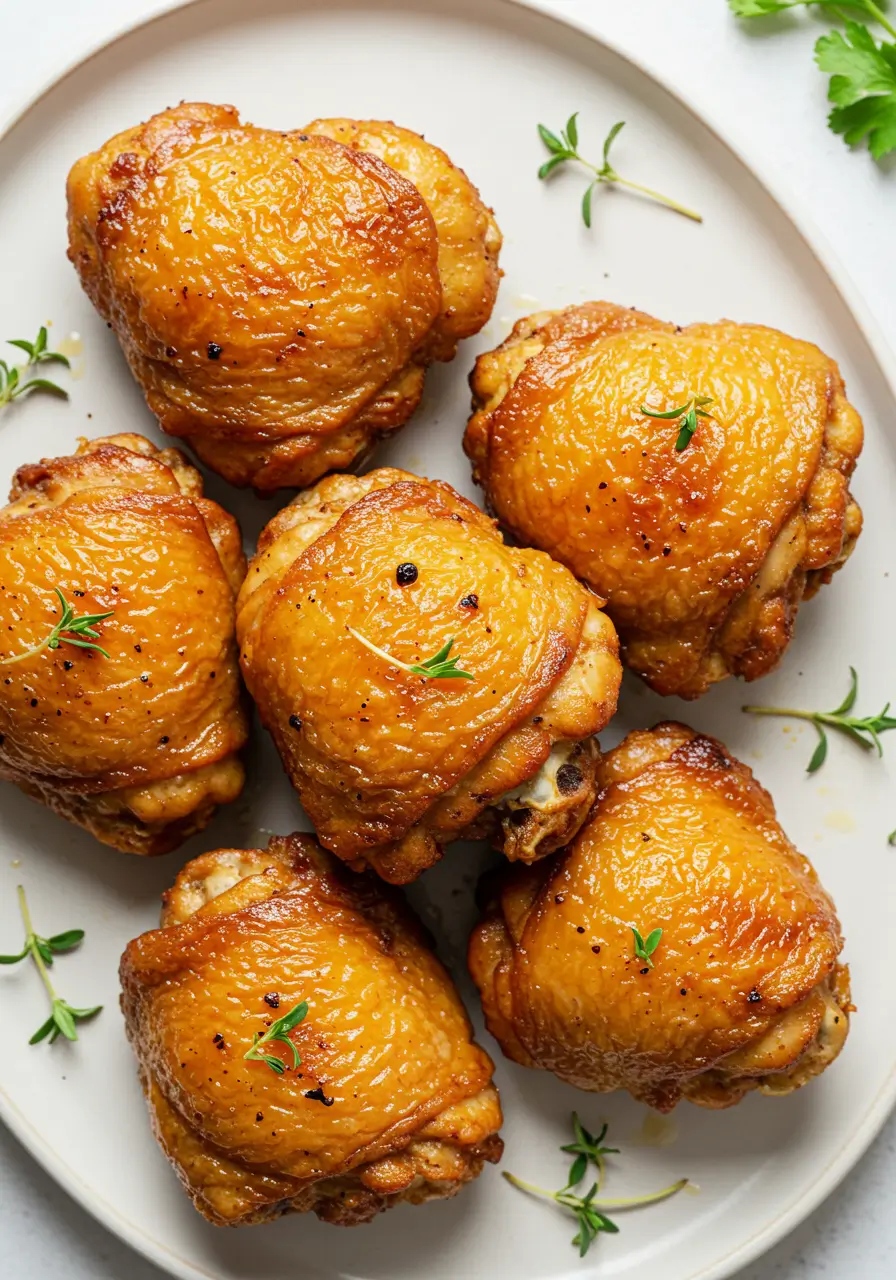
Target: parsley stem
[32,945]
[867,6]
[880,17]
[657,195]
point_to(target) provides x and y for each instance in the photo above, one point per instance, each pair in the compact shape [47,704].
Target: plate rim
[796,211]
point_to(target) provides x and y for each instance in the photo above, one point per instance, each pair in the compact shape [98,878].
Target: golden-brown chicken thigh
[704,554]
[744,989]
[360,579]
[392,1101]
[138,747]
[469,239]
[279,295]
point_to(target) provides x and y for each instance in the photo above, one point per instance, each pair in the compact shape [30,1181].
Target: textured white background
[757,83]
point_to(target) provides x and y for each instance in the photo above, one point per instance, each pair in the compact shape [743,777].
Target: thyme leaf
[13,382]
[644,948]
[278,1032]
[688,415]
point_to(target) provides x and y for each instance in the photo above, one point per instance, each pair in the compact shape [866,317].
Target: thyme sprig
[278,1032]
[14,384]
[438,667]
[587,1149]
[566,147]
[688,415]
[865,730]
[68,622]
[588,1210]
[644,948]
[63,1016]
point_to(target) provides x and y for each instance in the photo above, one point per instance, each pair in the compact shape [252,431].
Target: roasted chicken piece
[361,579]
[278,296]
[392,1100]
[703,549]
[141,746]
[469,239]
[744,989]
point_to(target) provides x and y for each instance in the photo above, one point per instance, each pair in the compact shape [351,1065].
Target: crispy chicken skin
[278,295]
[140,747]
[469,238]
[390,765]
[702,555]
[392,1102]
[747,991]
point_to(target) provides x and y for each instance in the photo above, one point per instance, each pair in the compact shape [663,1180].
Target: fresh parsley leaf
[863,71]
[863,87]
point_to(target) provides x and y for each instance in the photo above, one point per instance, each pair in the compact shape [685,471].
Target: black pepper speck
[317,1095]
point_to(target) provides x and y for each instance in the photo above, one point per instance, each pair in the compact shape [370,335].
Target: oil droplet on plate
[657,1131]
[840,820]
[72,348]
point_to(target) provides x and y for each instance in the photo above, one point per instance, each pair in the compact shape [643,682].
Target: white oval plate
[475,76]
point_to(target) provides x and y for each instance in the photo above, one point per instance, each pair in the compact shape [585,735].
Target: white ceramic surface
[761,1166]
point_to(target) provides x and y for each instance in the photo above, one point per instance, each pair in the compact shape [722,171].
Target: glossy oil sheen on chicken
[392,1100]
[746,991]
[278,295]
[390,764]
[141,746]
[703,555]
